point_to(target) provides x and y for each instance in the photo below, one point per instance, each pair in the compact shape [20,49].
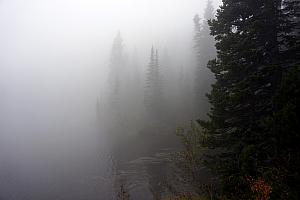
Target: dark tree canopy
[256,56]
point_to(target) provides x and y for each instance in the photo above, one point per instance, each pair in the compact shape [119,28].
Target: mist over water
[59,136]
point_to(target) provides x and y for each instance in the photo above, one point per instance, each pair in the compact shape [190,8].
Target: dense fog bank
[78,77]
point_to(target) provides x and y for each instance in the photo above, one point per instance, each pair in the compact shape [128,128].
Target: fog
[57,129]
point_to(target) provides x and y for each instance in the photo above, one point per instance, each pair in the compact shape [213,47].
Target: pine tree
[116,67]
[158,79]
[197,35]
[149,80]
[153,92]
[205,51]
[249,73]
[283,124]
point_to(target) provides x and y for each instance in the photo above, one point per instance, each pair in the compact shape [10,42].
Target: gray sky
[54,53]
[47,29]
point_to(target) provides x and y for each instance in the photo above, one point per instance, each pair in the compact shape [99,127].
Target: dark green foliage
[283,127]
[254,121]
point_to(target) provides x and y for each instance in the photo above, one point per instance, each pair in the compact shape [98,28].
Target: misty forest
[149,99]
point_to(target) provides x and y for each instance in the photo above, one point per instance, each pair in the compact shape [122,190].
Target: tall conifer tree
[249,73]
[116,67]
[153,90]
